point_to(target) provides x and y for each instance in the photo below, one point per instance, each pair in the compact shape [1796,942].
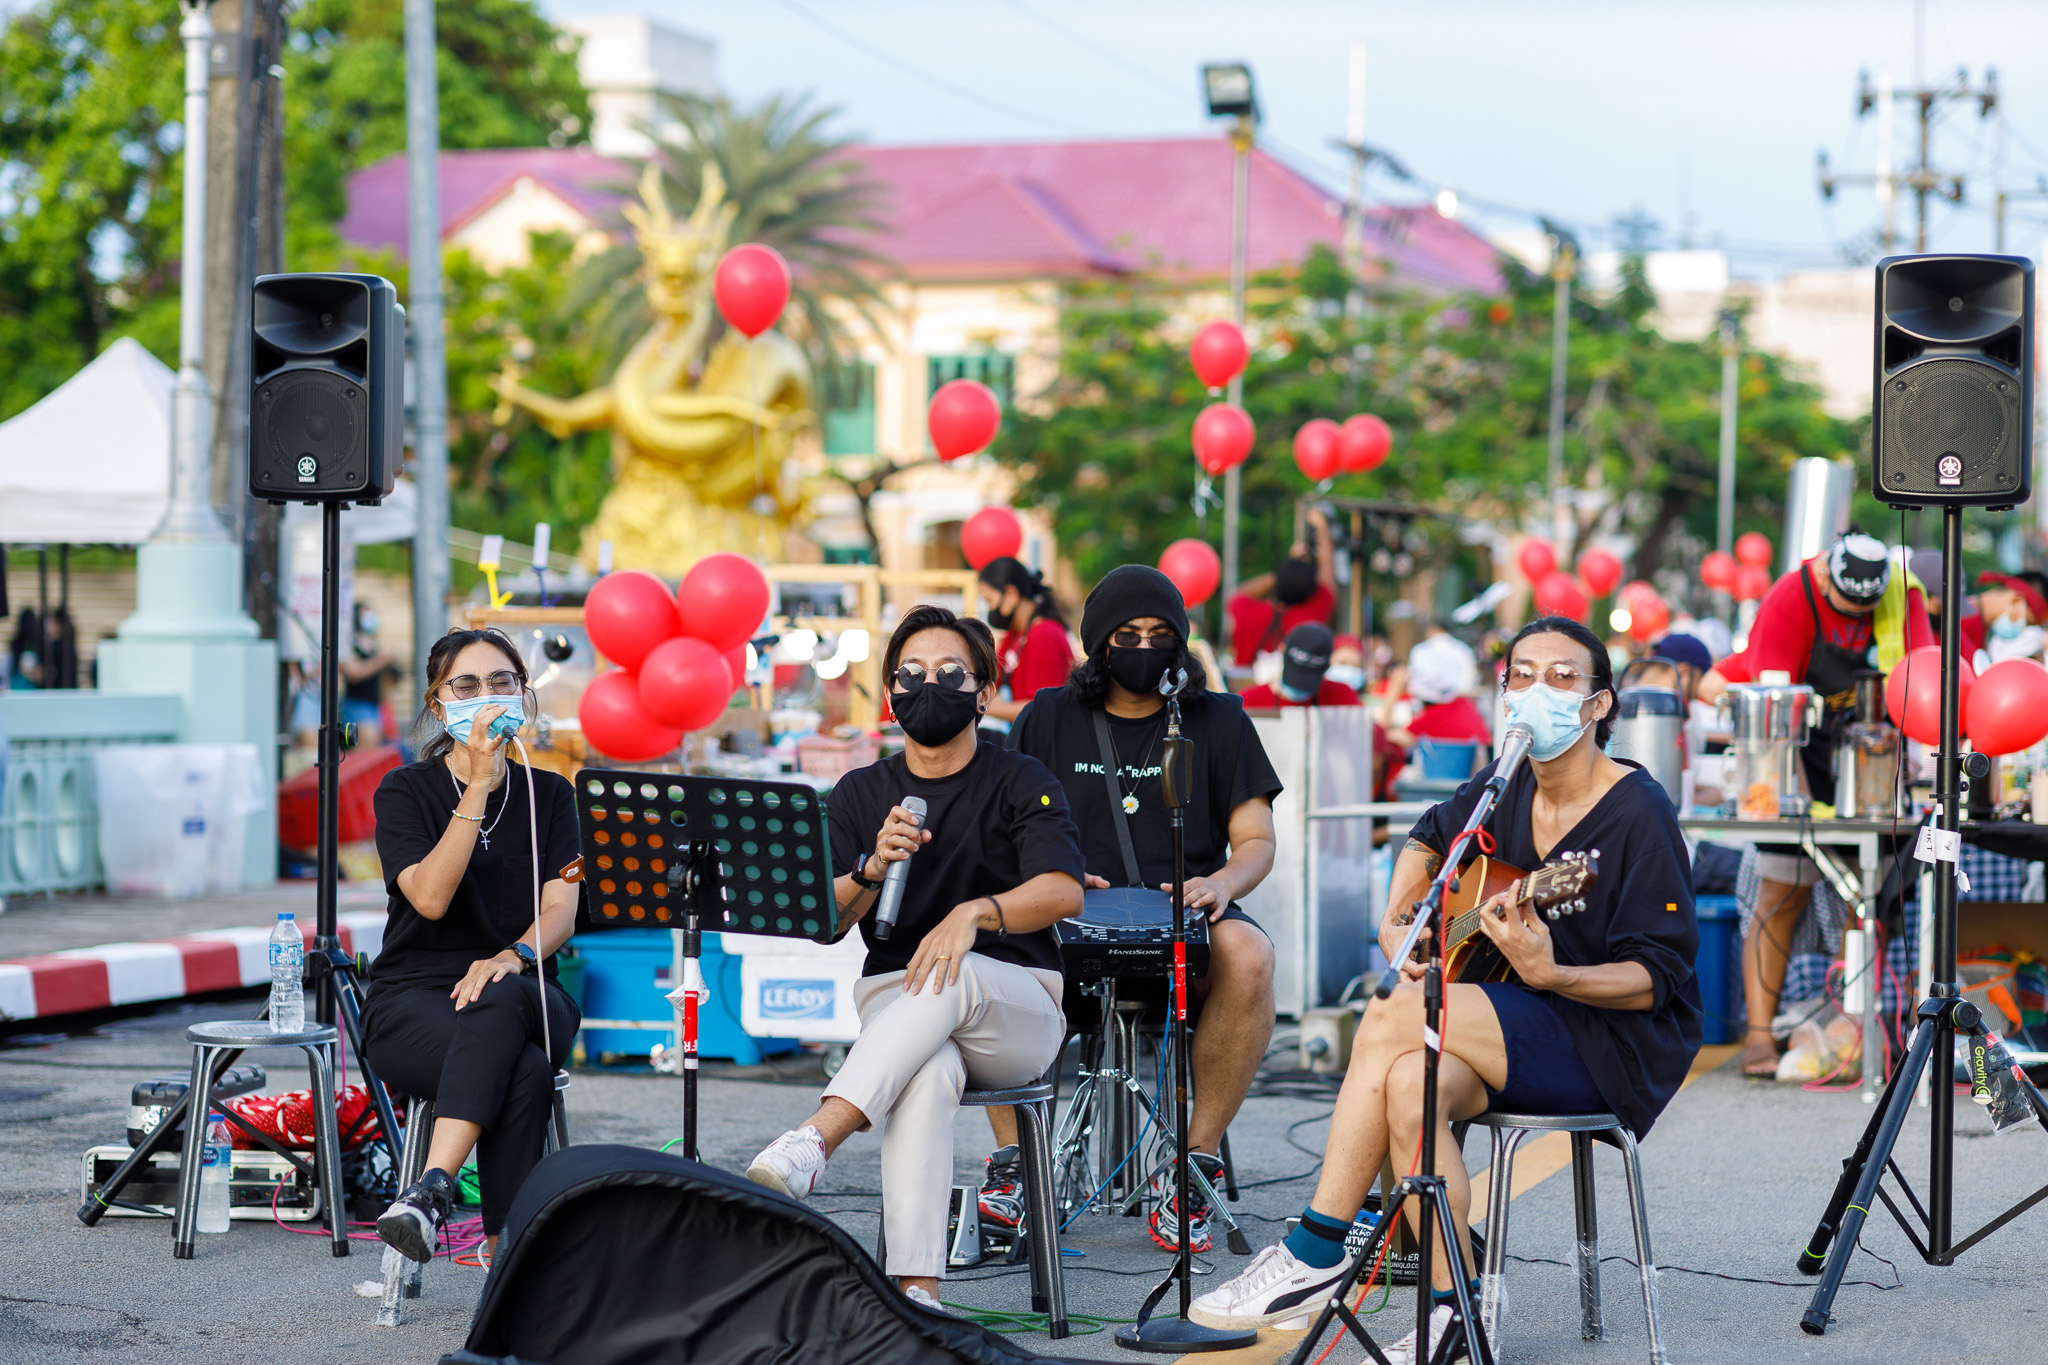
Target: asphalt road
[1736,1175]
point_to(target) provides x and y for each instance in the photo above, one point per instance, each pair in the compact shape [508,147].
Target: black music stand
[734,855]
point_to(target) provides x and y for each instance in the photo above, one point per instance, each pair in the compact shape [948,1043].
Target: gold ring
[945,957]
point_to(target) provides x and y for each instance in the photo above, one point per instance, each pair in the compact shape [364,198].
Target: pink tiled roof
[1014,210]
[472,181]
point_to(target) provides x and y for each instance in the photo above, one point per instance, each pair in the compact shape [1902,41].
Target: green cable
[995,1320]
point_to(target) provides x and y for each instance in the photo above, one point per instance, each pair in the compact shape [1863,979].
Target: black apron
[1831,671]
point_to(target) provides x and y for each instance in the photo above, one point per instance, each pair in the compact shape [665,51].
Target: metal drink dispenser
[1770,722]
[1649,728]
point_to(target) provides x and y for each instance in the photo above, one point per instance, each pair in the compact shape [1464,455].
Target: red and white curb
[80,979]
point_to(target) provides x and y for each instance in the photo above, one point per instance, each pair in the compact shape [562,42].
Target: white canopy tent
[91,463]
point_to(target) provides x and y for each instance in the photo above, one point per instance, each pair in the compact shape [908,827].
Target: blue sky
[1700,113]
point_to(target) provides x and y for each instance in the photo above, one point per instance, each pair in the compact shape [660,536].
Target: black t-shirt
[493,903]
[1230,767]
[370,689]
[997,823]
[1639,909]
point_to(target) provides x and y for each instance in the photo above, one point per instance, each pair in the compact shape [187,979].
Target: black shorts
[1546,1075]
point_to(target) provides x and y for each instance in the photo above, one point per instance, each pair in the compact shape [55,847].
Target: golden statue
[691,475]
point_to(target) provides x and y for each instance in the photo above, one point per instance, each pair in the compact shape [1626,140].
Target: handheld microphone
[504,727]
[897,877]
[1514,748]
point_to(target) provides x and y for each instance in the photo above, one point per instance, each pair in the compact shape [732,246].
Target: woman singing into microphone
[966,986]
[454,1012]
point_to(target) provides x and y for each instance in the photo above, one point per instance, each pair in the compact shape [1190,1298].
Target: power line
[1106,54]
[936,82]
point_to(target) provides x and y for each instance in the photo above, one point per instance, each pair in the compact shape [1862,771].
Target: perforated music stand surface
[771,871]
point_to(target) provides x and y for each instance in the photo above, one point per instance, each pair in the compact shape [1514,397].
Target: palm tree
[795,186]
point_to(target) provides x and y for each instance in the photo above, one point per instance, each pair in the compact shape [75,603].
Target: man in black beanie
[1105,727]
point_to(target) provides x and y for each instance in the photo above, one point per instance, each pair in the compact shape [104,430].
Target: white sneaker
[791,1163]
[921,1296]
[1441,1317]
[1275,1288]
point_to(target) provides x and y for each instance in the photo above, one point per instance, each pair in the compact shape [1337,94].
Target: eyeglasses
[1149,639]
[464,686]
[1561,676]
[953,677]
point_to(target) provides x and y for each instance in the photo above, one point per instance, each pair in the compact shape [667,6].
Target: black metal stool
[234,1037]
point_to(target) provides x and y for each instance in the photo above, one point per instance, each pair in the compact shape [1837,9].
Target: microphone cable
[539,953]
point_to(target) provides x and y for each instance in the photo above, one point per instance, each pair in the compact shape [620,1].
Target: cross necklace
[484,833]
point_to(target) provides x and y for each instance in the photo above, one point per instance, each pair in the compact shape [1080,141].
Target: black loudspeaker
[327,418]
[1954,412]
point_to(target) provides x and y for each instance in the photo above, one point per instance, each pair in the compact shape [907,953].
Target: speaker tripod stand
[1942,1017]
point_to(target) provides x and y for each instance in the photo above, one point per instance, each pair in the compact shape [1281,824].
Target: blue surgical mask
[2009,627]
[457,716]
[1295,694]
[1552,716]
[1351,675]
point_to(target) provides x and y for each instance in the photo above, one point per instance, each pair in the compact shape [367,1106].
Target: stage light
[1228,88]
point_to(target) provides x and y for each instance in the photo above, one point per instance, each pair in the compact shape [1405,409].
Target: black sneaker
[1165,1222]
[413,1223]
[1002,1190]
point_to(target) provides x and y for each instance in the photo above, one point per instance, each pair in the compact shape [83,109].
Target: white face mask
[1351,675]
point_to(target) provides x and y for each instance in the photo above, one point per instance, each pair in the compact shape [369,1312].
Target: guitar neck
[1463,927]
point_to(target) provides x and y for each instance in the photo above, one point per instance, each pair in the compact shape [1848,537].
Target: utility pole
[1724,501]
[1922,178]
[423,326]
[1240,228]
[1564,261]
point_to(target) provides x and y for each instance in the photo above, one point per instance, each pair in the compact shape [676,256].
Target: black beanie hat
[1126,593]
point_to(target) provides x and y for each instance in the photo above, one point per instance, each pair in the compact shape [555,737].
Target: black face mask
[998,619]
[1139,670]
[932,715]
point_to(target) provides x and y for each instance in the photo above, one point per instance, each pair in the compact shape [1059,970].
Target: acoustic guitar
[1557,889]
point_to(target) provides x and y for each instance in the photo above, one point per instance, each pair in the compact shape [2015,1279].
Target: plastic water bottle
[287,976]
[217,1156]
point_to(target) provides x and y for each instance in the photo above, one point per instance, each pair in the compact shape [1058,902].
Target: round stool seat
[256,1033]
[1555,1123]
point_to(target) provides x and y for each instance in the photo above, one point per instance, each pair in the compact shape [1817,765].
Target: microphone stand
[1425,1185]
[1176,1336]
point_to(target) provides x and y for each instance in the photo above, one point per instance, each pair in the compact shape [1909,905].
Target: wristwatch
[529,961]
[860,879]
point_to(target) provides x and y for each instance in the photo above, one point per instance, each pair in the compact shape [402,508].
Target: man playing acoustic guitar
[1600,1013]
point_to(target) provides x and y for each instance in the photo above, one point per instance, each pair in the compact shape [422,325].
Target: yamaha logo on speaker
[1954,382]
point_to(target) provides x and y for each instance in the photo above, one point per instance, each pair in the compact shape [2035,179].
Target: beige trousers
[998,1026]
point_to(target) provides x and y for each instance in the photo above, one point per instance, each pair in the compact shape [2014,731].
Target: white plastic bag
[173,816]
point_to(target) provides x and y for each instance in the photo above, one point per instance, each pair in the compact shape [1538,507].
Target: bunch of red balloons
[678,658]
[2001,712]
[1322,449]
[991,534]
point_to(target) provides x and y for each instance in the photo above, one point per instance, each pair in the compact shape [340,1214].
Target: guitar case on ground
[623,1256]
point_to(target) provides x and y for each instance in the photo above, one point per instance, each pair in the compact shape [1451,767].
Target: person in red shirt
[1301,588]
[1033,651]
[2007,605]
[1816,626]
[1304,666]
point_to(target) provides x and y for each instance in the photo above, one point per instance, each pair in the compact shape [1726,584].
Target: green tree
[1464,383]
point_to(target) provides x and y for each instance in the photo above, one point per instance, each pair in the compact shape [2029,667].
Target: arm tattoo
[1432,861]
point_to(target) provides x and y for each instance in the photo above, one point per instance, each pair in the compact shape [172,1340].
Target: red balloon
[1632,591]
[1717,571]
[2008,708]
[751,286]
[1218,353]
[1317,448]
[1648,618]
[1194,568]
[722,600]
[964,417]
[1223,436]
[685,683]
[627,614]
[1599,571]
[1912,694]
[617,725]
[991,533]
[1753,547]
[1559,594]
[1536,559]
[1365,443]
[1752,581]
[736,664]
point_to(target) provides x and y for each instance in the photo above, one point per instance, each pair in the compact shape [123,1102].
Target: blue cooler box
[1719,967]
[626,976]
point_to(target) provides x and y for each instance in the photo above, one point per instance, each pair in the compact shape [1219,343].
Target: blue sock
[1451,1295]
[1317,1241]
